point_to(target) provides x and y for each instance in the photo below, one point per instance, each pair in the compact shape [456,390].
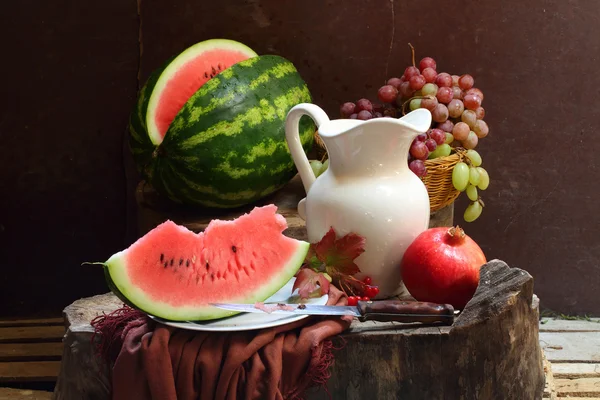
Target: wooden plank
[33,322]
[39,371]
[24,394]
[30,351]
[32,333]
[582,347]
[579,370]
[562,325]
[549,387]
[582,387]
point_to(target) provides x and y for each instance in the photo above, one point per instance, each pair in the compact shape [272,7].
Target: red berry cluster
[361,290]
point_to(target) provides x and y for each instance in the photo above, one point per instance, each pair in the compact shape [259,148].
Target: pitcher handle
[292,136]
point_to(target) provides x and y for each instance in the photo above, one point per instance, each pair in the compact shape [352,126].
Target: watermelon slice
[184,75]
[174,273]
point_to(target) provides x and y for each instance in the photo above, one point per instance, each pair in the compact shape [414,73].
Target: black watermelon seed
[162,257]
[166,264]
[171,263]
[207,266]
[187,263]
[180,261]
[234,249]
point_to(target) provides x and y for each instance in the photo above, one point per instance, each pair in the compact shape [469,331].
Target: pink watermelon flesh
[173,273]
[188,79]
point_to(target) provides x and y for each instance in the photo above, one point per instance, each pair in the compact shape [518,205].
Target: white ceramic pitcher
[368,188]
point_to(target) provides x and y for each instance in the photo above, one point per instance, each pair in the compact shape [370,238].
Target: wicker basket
[438,180]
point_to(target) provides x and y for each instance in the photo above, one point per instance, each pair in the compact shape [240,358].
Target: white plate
[249,321]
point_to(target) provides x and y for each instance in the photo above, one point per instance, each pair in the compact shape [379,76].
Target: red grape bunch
[457,113]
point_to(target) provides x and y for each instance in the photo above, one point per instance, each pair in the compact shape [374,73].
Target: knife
[381,310]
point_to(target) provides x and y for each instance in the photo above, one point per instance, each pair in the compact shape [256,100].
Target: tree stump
[490,352]
[153,209]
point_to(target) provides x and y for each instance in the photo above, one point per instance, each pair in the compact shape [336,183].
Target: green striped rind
[226,147]
[140,145]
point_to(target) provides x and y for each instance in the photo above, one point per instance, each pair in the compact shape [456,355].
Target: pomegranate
[442,266]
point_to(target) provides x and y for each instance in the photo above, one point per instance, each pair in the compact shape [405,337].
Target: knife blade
[379,310]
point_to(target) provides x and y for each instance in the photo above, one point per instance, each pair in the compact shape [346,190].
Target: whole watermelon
[226,147]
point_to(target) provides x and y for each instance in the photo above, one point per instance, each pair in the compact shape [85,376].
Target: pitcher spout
[418,120]
[371,147]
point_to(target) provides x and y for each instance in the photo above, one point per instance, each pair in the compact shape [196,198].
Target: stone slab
[583,347]
[576,370]
[564,325]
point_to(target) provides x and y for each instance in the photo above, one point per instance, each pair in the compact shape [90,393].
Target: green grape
[472,192]
[475,158]
[316,166]
[325,166]
[430,89]
[449,137]
[443,150]
[414,104]
[473,176]
[473,211]
[484,179]
[460,176]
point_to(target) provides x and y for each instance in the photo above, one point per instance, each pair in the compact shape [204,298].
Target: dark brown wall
[62,131]
[69,77]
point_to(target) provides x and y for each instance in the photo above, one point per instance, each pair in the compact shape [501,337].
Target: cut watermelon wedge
[173,273]
[184,75]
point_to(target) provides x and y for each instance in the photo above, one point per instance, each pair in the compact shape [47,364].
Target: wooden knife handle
[405,311]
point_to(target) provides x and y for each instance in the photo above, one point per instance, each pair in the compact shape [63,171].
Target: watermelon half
[226,147]
[184,75]
[174,273]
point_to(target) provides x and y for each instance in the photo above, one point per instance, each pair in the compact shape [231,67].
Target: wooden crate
[30,356]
